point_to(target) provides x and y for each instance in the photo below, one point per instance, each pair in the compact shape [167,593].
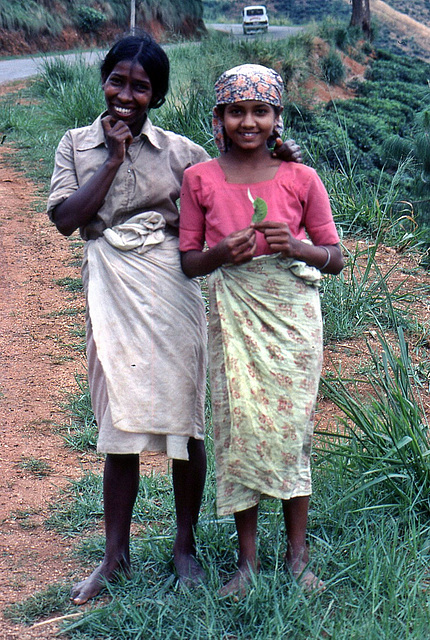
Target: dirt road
[37,366]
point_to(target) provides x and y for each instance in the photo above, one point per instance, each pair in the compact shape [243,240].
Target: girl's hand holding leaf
[278,237]
[238,247]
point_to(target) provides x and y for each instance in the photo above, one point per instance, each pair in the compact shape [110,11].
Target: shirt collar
[94,135]
[151,132]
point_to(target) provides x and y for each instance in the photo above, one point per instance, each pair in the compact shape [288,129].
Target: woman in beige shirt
[146,327]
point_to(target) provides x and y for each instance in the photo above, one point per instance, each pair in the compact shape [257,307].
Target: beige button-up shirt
[149,179]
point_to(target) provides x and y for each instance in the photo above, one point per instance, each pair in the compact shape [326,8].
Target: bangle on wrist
[328,259]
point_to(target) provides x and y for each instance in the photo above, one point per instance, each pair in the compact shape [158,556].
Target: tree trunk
[361,16]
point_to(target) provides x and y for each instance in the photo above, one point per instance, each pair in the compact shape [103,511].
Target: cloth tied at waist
[140,232]
[310,275]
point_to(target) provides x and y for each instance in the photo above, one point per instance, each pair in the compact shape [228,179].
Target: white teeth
[123,111]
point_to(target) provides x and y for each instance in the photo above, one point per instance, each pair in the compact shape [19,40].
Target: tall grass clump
[189,103]
[29,130]
[362,296]
[384,435]
[31,17]
[72,91]
[219,52]
[339,33]
[372,207]
[332,67]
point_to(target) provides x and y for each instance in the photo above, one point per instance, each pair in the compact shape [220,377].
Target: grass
[385,432]
[362,296]
[71,312]
[375,564]
[368,533]
[24,518]
[72,91]
[80,434]
[82,508]
[70,284]
[35,466]
[42,603]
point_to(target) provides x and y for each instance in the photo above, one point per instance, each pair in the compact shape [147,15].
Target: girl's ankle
[249,565]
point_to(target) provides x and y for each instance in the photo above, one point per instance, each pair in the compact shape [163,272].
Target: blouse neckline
[247,184]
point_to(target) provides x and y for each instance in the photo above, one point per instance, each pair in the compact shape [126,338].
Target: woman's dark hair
[143,49]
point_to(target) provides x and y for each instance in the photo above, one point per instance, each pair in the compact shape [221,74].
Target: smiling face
[128,94]
[249,124]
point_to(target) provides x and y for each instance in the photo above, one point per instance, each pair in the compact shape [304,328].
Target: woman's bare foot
[305,578]
[189,571]
[89,588]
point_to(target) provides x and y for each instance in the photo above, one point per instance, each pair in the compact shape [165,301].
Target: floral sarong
[265,346]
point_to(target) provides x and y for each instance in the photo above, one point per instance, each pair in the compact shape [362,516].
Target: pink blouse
[212,208]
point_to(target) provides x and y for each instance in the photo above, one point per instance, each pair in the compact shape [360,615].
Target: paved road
[21,68]
[275,32]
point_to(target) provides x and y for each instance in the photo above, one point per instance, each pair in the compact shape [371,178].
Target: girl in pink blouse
[265,325]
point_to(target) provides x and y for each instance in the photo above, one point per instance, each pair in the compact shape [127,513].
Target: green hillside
[417,9]
[39,25]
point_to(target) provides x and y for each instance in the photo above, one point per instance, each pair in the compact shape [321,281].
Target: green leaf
[260,210]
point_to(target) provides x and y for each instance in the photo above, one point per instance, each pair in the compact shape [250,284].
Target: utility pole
[133,15]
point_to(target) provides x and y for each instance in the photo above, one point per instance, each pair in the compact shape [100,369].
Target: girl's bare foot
[309,582]
[238,586]
[305,578]
[240,583]
[83,591]
[189,572]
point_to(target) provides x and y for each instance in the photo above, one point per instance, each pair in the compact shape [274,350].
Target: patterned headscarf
[247,82]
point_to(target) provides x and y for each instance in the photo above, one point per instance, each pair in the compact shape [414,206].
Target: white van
[254,19]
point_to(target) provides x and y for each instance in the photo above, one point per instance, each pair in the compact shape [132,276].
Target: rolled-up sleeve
[64,179]
[318,218]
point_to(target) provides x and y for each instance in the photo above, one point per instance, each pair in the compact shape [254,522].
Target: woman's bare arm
[82,205]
